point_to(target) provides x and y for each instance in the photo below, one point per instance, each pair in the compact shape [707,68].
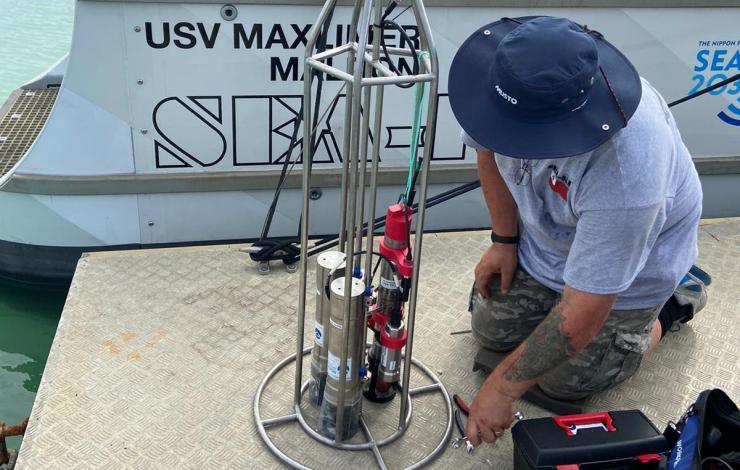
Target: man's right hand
[499,258]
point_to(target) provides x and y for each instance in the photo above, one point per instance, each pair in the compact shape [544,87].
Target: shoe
[687,300]
[692,292]
[701,274]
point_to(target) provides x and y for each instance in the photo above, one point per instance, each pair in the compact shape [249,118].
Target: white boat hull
[171,123]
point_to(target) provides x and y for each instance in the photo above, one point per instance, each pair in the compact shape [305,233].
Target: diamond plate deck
[158,355]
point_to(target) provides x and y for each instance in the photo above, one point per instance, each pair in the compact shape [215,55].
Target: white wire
[718,460]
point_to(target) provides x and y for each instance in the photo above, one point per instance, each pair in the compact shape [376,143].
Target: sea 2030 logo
[717,61]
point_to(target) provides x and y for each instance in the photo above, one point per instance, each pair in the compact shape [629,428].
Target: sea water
[28,320]
[33,36]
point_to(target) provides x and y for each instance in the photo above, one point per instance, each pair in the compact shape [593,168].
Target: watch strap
[505,240]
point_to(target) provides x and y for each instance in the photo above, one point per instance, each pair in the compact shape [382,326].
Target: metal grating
[21,124]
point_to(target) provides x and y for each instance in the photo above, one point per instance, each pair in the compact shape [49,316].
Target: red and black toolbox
[613,440]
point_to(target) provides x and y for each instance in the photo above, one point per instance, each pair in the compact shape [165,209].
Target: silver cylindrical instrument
[329,266]
[389,369]
[338,335]
[388,291]
[389,297]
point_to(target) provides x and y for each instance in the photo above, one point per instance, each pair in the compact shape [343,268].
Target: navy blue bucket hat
[541,87]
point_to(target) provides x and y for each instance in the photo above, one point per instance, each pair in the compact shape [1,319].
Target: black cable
[379,255]
[283,175]
[375,270]
[408,236]
[285,250]
[333,240]
[402,12]
[386,24]
[363,252]
[380,221]
[388,10]
[705,90]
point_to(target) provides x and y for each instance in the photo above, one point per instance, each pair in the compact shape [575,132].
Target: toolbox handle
[573,423]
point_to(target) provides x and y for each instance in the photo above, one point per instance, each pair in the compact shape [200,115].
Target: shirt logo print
[559,184]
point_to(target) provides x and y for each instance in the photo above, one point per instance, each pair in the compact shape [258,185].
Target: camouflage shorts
[501,322]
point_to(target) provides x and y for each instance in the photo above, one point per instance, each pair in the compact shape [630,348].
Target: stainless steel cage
[363,85]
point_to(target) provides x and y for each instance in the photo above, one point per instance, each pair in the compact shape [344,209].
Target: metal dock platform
[158,355]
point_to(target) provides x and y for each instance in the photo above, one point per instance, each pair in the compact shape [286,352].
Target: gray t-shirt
[620,219]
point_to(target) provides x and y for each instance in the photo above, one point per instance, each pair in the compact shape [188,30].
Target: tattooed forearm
[547,347]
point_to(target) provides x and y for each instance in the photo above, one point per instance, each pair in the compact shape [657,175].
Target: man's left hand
[491,413]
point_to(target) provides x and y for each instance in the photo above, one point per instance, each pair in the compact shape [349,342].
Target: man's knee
[602,365]
[494,344]
[572,387]
[498,323]
[612,357]
[502,321]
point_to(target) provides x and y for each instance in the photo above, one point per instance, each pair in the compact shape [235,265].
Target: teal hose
[414,163]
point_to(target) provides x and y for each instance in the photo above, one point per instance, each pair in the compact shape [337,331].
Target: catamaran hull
[45,260]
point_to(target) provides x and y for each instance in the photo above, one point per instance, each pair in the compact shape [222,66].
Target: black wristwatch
[505,240]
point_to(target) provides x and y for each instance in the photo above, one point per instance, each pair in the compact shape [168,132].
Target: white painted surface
[236,215]
[51,77]
[69,220]
[117,68]
[98,58]
[80,138]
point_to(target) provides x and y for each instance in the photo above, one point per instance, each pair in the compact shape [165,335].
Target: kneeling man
[594,203]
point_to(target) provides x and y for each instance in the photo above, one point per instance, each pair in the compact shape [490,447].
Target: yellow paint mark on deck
[127,336]
[115,350]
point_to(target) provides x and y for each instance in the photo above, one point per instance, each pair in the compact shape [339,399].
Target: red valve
[397,222]
[393,343]
[377,319]
[394,244]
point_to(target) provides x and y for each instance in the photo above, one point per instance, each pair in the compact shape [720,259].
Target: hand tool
[462,408]
[457,442]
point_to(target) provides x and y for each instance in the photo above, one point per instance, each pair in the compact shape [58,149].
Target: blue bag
[707,437]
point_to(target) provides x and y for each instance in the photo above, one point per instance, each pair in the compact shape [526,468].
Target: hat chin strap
[613,95]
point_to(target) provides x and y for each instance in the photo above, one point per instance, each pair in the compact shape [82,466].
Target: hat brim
[488,120]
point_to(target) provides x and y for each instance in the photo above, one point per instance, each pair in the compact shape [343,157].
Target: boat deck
[158,355]
[21,119]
